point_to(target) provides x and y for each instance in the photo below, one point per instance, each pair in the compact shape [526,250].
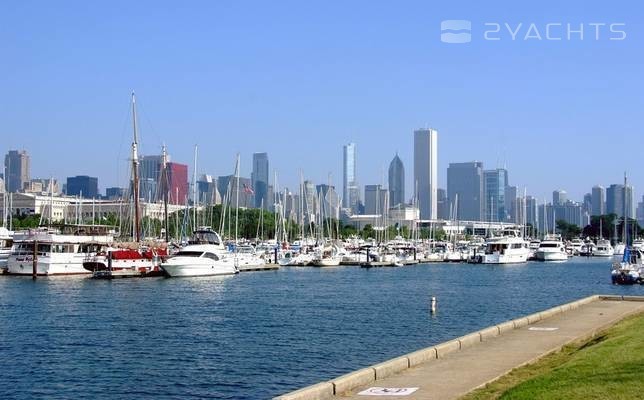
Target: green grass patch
[609,366]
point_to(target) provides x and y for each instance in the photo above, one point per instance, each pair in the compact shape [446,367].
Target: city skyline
[318,88]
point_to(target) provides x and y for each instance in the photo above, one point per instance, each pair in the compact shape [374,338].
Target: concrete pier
[450,370]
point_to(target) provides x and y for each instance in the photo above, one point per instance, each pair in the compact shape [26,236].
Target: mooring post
[109,260]
[275,254]
[414,253]
[34,265]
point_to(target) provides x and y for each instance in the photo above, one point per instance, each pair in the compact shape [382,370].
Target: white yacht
[6,241]
[205,255]
[551,248]
[246,256]
[618,249]
[506,249]
[328,256]
[575,246]
[199,260]
[56,253]
[603,249]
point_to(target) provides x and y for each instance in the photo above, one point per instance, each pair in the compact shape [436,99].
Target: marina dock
[265,267]
[454,368]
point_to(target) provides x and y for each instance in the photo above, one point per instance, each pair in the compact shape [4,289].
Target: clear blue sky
[300,79]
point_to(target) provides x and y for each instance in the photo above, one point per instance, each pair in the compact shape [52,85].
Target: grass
[609,366]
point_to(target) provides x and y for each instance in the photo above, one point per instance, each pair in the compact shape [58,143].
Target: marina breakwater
[494,353]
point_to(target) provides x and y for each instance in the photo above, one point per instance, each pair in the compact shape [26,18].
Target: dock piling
[34,265]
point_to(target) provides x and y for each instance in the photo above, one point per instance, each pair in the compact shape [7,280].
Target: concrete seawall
[396,368]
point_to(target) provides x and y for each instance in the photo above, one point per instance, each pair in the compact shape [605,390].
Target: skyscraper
[350,192]
[149,176]
[17,168]
[396,182]
[598,200]
[375,200]
[559,197]
[640,212]
[426,172]
[465,181]
[177,182]
[494,184]
[259,177]
[511,208]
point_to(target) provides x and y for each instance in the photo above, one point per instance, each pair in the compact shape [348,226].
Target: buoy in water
[433,304]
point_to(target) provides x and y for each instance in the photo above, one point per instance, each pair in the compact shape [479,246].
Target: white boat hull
[551,256]
[497,258]
[185,270]
[64,264]
[326,262]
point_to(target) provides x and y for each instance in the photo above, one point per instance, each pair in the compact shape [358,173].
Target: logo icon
[456,31]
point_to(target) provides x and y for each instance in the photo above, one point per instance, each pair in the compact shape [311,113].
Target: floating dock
[265,267]
[452,369]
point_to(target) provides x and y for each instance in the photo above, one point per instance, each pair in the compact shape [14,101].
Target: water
[256,335]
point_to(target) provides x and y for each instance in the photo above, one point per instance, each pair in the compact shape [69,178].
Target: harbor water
[256,335]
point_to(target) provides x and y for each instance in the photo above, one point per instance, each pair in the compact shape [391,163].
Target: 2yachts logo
[460,31]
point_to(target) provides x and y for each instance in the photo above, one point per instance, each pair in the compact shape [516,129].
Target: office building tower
[494,184]
[84,186]
[259,177]
[559,197]
[426,172]
[17,170]
[465,184]
[350,190]
[598,201]
[396,182]
[376,200]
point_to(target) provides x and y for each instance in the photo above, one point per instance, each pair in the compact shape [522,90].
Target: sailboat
[132,259]
[630,269]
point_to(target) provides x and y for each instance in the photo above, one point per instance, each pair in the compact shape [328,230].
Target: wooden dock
[265,267]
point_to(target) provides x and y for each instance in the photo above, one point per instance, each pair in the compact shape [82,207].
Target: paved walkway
[462,371]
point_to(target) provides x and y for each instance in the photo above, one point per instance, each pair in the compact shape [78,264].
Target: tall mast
[135,174]
[624,239]
[194,193]
[165,188]
[237,199]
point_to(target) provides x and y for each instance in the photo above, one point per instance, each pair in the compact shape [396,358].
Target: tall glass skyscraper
[259,178]
[350,191]
[494,183]
[426,172]
[465,181]
[598,200]
[396,182]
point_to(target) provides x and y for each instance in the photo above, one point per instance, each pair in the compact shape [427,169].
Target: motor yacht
[551,248]
[508,248]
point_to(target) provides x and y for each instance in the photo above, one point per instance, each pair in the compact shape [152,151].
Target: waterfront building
[494,184]
[350,188]
[83,186]
[465,180]
[259,178]
[375,200]
[396,182]
[426,172]
[598,194]
[17,170]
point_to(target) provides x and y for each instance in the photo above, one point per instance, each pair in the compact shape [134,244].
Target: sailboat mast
[135,174]
[166,188]
[624,239]
[194,193]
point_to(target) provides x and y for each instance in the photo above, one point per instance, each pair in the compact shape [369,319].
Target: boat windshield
[549,245]
[189,254]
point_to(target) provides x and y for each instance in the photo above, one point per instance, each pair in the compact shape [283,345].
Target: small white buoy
[433,304]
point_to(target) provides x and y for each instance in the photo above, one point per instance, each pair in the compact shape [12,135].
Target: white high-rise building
[426,172]
[350,192]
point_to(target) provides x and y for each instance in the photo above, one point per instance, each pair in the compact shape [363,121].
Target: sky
[301,79]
